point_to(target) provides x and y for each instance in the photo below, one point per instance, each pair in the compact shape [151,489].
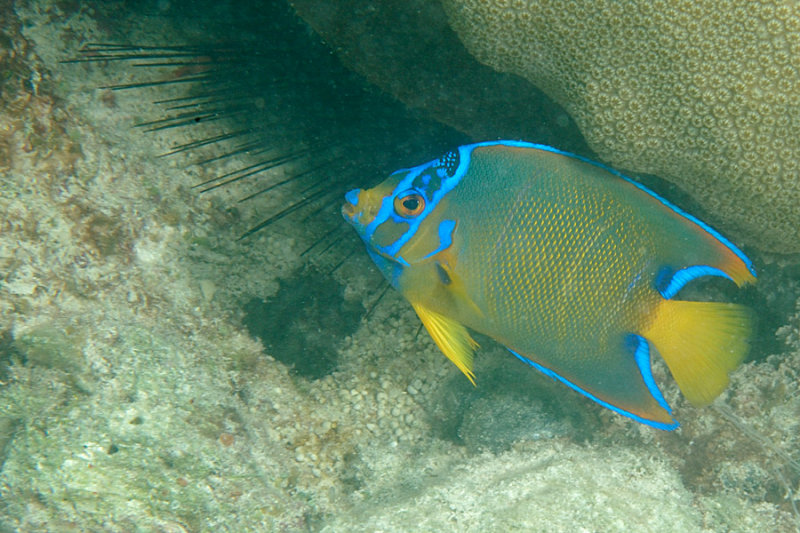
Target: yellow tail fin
[701,342]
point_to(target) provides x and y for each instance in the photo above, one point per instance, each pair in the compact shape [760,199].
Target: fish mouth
[350,210]
[350,213]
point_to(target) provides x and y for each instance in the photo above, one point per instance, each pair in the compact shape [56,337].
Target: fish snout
[350,208]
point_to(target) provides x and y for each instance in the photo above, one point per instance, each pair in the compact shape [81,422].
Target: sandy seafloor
[132,398]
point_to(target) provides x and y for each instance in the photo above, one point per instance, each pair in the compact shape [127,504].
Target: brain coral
[701,92]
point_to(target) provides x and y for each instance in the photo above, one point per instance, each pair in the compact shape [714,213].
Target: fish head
[404,220]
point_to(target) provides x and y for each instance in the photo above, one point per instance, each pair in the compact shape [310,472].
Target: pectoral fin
[455,286]
[451,337]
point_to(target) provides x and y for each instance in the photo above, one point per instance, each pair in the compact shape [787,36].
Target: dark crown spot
[449,162]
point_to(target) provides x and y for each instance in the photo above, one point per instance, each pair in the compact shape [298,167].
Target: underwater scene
[399,265]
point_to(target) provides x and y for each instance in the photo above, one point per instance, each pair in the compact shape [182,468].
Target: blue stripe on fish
[641,354]
[669,283]
[352,196]
[446,229]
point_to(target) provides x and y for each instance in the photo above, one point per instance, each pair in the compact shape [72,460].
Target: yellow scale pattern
[557,276]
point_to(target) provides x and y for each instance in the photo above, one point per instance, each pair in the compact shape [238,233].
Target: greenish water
[158,373]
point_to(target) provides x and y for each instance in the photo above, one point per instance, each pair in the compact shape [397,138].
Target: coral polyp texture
[703,93]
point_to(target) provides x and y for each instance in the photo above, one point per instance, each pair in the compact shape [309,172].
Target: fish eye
[409,205]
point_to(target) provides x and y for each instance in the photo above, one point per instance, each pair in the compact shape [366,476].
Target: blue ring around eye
[409,192]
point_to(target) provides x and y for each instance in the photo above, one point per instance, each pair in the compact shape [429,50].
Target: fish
[568,263]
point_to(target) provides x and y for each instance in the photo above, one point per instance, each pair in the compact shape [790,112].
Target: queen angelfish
[569,264]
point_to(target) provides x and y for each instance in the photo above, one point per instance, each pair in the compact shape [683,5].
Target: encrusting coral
[703,93]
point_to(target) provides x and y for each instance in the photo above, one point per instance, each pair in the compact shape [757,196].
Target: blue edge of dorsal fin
[705,227]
